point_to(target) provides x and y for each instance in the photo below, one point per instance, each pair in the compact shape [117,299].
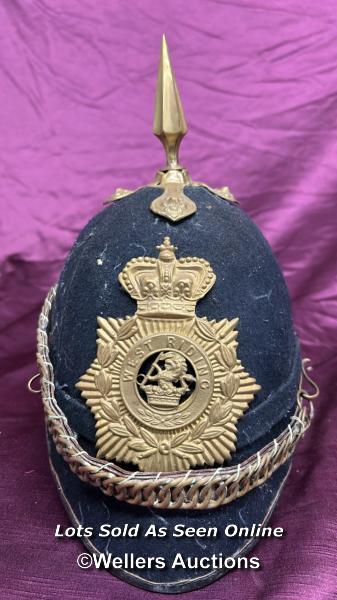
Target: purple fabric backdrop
[258,81]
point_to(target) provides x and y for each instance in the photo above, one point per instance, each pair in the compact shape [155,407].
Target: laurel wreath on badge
[166,387]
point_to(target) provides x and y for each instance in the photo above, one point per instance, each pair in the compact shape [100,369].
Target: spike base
[177,190]
[173,204]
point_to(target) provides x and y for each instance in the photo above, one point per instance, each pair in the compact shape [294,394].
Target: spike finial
[169,121]
[169,126]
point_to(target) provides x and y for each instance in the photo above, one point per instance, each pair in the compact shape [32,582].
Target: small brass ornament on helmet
[166,387]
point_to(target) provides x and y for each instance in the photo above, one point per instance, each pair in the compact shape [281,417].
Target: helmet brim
[89,507]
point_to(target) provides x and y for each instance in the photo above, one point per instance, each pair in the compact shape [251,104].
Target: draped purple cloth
[258,82]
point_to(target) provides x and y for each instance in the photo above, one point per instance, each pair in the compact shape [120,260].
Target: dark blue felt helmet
[171,373]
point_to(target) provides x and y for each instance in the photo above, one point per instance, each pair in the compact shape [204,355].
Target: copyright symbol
[84,560]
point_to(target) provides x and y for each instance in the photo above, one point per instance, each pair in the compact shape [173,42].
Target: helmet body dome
[249,285]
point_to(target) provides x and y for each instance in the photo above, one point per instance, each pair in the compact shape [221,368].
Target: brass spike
[169,126]
[169,123]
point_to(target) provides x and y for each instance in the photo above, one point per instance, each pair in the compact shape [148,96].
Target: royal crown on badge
[167,287]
